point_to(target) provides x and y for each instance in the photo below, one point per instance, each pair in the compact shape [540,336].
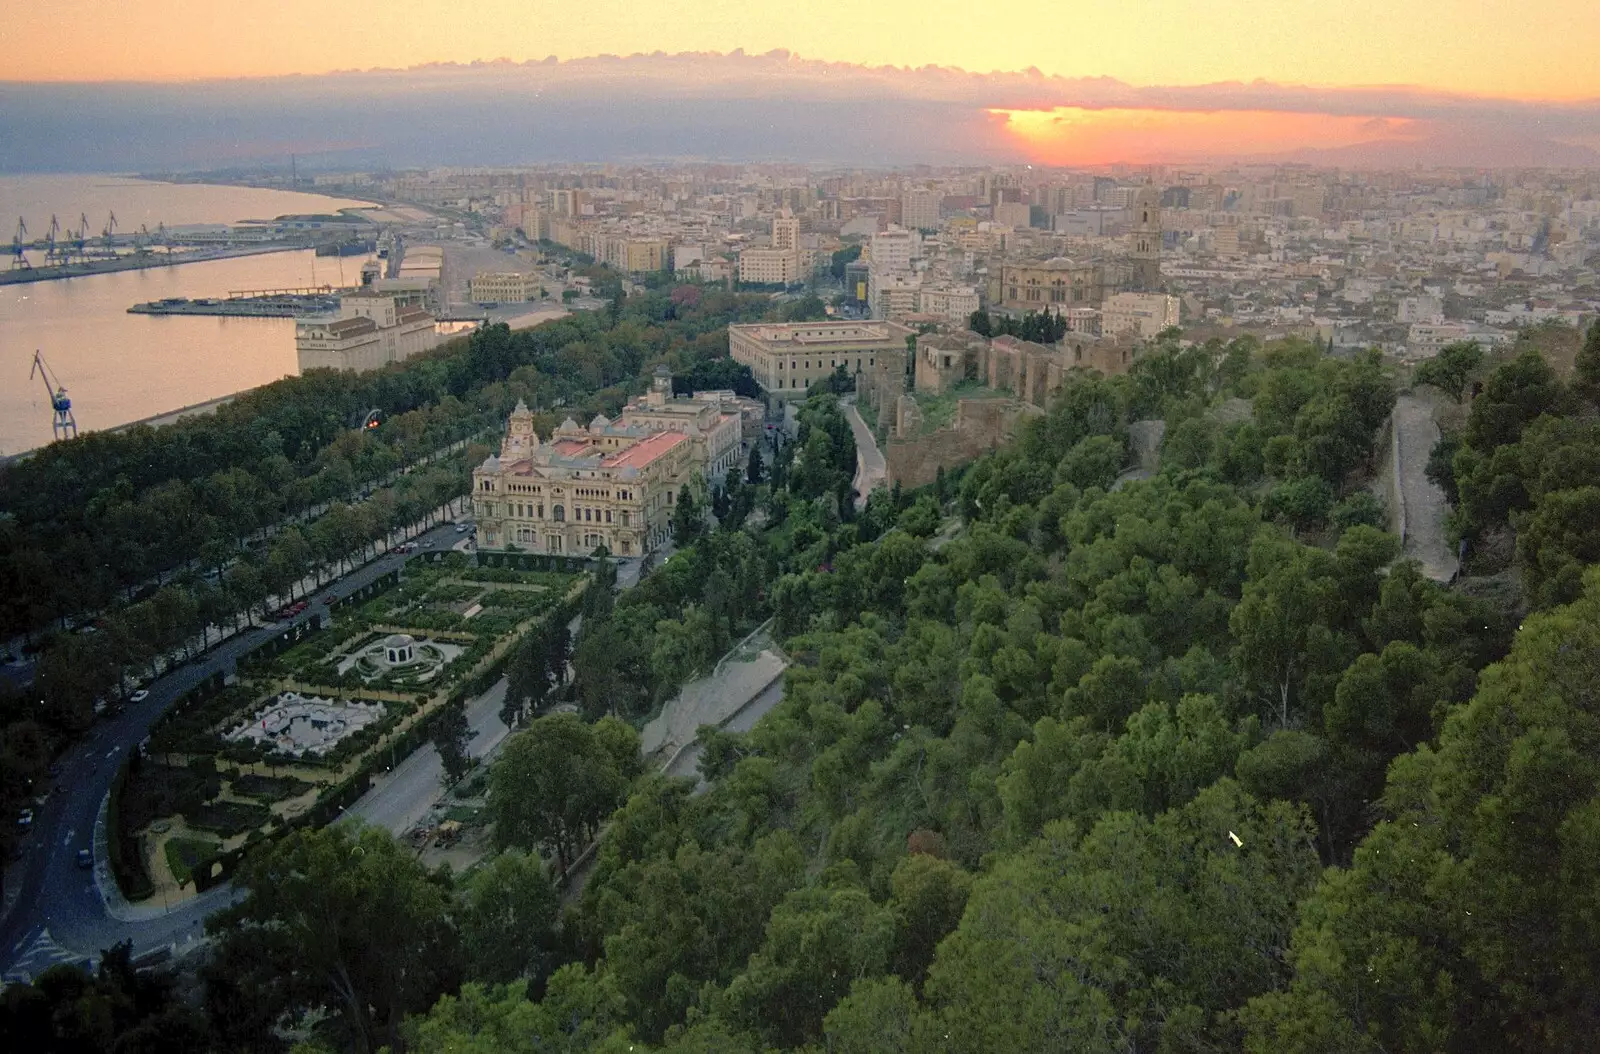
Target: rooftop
[645,451]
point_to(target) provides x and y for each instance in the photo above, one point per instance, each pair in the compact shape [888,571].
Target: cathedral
[1059,284]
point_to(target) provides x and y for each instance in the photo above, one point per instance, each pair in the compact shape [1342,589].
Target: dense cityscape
[1125,582]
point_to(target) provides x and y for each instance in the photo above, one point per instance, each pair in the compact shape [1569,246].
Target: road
[54,911]
[687,763]
[403,797]
[1415,433]
[871,471]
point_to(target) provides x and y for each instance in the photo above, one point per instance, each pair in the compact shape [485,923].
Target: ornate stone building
[610,485]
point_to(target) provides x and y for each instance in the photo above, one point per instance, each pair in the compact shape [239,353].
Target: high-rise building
[786,232]
[892,250]
[919,208]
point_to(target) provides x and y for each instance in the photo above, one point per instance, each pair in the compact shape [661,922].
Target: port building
[368,330]
[502,287]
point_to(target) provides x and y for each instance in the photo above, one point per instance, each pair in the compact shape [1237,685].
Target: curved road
[871,470]
[59,914]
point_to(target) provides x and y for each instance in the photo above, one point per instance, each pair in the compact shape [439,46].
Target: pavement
[686,763]
[748,668]
[871,470]
[1414,434]
[402,797]
[53,910]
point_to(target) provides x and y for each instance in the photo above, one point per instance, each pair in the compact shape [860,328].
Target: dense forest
[1067,760]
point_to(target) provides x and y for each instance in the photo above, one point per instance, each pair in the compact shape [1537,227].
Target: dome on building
[600,423]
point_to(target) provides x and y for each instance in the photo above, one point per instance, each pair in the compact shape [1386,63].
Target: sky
[1137,80]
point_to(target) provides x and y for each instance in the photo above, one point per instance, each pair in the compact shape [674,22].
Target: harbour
[120,366]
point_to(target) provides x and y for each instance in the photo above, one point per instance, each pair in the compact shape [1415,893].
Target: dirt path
[1424,507]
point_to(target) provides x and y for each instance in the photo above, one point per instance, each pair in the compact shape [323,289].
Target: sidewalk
[744,672]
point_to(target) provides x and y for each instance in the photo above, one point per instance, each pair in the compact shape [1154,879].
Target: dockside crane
[53,252]
[62,422]
[106,235]
[19,247]
[80,238]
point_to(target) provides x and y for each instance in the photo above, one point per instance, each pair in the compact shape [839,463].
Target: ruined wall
[979,427]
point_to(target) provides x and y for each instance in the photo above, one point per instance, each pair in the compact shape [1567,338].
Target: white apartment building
[894,295]
[893,250]
[1419,309]
[1143,315]
[770,266]
[955,302]
[919,208]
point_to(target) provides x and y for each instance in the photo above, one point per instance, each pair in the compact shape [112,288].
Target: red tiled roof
[645,451]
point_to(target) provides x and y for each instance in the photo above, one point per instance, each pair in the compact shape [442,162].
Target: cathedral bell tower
[1146,254]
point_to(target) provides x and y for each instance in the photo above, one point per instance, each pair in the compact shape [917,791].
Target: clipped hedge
[127,862]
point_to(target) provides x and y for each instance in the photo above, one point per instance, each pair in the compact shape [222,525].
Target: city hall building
[610,484]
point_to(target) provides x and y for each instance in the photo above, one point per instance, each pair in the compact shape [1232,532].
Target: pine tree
[687,522]
[1586,379]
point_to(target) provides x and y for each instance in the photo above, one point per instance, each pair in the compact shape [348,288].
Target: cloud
[697,104]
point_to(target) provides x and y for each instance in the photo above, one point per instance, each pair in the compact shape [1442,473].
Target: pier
[251,303]
[139,261]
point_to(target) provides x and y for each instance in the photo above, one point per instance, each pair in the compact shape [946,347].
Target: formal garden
[298,734]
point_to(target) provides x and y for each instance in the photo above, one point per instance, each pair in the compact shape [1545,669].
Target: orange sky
[1521,48]
[1070,136]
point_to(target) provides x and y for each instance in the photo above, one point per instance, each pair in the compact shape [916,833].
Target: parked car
[25,820]
[330,599]
[85,859]
[140,696]
[461,528]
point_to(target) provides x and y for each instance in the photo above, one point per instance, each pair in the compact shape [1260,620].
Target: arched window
[559,513]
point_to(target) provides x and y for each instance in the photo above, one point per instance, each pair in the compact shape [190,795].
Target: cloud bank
[747,107]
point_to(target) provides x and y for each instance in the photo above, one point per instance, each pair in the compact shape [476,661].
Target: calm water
[119,367]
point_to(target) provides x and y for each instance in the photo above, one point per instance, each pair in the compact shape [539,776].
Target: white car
[138,697]
[25,819]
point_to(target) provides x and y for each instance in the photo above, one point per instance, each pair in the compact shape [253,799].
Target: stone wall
[979,427]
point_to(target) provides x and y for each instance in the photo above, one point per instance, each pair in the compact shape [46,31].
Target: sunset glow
[1077,136]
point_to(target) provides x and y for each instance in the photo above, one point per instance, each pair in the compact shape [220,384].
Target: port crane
[79,239]
[19,242]
[62,423]
[53,253]
[106,235]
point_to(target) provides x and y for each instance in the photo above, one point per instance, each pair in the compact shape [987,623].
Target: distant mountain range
[712,106]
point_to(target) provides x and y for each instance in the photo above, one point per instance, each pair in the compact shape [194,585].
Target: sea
[119,367]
